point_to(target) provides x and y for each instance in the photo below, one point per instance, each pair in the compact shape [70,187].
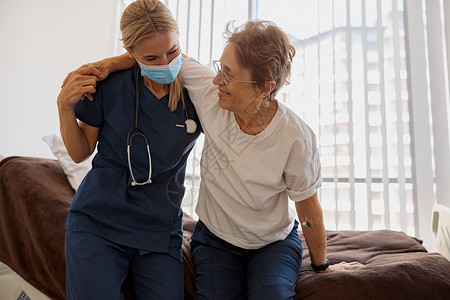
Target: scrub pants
[96,269]
[224,271]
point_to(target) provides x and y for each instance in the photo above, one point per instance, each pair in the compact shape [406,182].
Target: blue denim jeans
[224,271]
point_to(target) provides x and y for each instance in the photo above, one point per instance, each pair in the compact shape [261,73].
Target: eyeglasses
[218,68]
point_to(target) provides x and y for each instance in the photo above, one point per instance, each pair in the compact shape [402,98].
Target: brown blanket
[35,196]
[396,267]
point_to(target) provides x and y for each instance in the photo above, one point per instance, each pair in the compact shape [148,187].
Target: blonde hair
[265,49]
[144,18]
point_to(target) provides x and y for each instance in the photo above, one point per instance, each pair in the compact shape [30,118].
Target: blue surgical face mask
[163,74]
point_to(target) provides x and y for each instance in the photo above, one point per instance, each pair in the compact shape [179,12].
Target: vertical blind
[354,95]
[349,83]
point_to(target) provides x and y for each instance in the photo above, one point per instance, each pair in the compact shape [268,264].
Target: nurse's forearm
[80,83]
[72,135]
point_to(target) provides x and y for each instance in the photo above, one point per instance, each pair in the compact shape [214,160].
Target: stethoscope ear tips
[134,183]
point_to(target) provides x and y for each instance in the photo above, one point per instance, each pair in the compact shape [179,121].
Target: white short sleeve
[302,172]
[198,81]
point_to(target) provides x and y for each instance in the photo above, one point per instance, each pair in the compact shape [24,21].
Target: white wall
[40,42]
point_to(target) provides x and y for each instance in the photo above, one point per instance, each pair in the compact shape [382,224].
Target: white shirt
[247,180]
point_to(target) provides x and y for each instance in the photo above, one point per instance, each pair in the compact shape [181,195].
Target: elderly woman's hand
[78,84]
[102,68]
[342,266]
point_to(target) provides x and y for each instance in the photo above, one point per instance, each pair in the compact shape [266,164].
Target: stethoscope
[191,127]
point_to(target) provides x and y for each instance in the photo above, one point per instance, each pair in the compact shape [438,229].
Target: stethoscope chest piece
[191,126]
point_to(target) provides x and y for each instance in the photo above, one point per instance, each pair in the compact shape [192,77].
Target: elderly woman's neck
[254,120]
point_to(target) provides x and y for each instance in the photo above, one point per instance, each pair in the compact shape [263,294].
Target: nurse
[125,219]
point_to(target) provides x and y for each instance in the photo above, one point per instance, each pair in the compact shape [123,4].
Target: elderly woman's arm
[113,64]
[309,212]
[106,66]
[197,78]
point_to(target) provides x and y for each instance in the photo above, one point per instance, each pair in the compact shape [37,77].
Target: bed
[35,195]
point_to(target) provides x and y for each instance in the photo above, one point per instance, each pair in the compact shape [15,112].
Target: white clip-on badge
[191,126]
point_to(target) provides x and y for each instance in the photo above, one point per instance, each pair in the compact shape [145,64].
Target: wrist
[64,108]
[110,65]
[120,62]
[322,267]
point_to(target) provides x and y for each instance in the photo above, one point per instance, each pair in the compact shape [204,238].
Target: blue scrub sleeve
[91,112]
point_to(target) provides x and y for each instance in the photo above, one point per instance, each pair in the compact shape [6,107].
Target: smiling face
[158,49]
[236,96]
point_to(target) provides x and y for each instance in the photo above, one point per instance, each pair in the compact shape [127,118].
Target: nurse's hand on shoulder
[79,84]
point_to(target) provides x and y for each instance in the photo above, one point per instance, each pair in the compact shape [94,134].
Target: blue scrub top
[147,217]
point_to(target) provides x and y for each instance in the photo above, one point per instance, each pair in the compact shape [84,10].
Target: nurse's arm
[310,215]
[79,138]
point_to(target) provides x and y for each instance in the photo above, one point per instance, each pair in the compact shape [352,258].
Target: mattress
[441,229]
[36,192]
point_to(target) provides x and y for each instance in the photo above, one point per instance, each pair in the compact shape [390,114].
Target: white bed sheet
[12,286]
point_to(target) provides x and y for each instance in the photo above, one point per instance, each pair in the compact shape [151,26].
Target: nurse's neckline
[158,90]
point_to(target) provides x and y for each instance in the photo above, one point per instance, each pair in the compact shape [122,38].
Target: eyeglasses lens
[218,69]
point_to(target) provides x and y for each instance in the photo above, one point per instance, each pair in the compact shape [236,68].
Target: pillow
[75,172]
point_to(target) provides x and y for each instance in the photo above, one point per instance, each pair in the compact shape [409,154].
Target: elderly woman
[257,155]
[125,219]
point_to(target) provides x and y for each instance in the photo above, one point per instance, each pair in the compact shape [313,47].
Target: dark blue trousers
[224,271]
[96,269]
